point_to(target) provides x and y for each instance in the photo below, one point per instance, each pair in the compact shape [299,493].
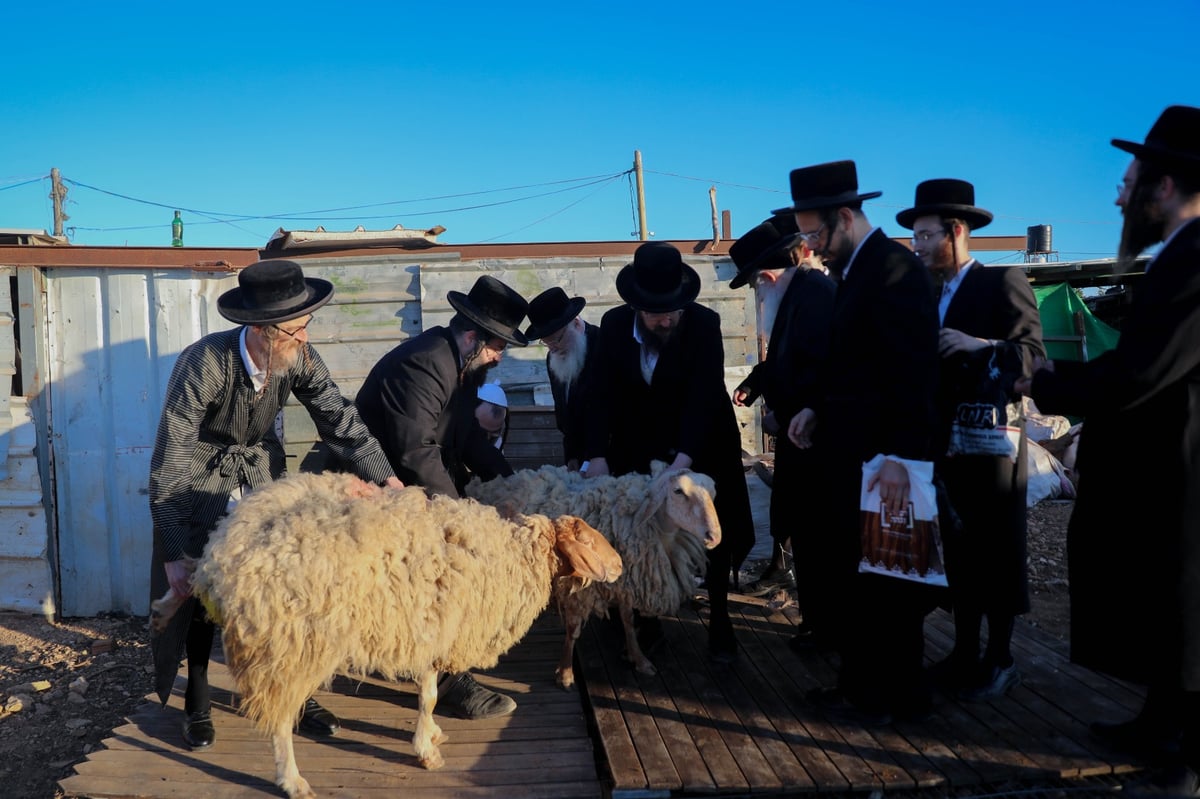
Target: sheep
[660,525]
[308,579]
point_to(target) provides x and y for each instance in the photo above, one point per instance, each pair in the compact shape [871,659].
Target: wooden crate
[533,439]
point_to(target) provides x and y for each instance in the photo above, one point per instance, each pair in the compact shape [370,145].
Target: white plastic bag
[908,546]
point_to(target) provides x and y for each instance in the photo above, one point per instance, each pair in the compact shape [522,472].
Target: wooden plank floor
[697,729]
[694,729]
[542,750]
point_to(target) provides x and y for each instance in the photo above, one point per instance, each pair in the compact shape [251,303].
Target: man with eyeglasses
[991,333]
[419,400]
[876,397]
[572,346]
[218,437]
[1133,543]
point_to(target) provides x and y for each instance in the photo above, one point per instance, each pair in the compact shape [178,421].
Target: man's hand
[393,482]
[597,467]
[739,397]
[179,575]
[892,479]
[951,341]
[801,427]
[1024,385]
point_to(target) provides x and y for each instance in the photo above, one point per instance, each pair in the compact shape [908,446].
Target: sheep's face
[689,505]
[587,554]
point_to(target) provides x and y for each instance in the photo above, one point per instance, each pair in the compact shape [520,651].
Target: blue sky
[421,115]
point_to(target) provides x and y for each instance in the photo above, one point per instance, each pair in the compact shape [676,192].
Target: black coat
[572,403]
[986,560]
[1133,543]
[683,409]
[413,403]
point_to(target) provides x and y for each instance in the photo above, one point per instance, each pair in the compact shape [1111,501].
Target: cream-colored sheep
[309,578]
[660,525]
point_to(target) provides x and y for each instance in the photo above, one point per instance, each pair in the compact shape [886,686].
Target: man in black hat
[1133,543]
[419,401]
[572,348]
[877,397]
[217,438]
[991,332]
[661,396]
[795,309]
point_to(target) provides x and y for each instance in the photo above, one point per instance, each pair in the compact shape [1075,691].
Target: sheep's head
[685,498]
[585,552]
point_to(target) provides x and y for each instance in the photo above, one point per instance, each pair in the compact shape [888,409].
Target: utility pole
[641,195]
[58,193]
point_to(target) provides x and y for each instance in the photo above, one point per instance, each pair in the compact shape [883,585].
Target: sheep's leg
[428,734]
[566,665]
[637,657]
[287,776]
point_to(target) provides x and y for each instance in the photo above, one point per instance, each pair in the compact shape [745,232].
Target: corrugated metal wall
[114,334]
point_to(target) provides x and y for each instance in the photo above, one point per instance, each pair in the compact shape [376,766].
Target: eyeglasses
[556,339]
[812,237]
[293,333]
[924,236]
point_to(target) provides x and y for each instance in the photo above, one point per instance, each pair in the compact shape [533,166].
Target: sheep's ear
[656,496]
[586,552]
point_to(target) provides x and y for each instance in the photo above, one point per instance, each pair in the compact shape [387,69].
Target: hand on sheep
[393,482]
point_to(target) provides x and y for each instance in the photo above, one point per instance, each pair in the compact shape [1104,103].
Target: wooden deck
[692,730]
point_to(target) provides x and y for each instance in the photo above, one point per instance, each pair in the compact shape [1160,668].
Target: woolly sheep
[310,578]
[659,524]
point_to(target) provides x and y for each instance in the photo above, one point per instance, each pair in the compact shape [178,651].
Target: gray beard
[566,366]
[771,300]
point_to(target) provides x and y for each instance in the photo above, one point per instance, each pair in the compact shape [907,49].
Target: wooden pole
[643,233]
[712,202]
[58,193]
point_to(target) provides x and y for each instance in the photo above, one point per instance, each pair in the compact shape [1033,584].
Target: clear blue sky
[411,114]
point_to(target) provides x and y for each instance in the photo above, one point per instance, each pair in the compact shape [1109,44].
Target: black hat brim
[231,305]
[573,309]
[975,218]
[687,291]
[462,303]
[747,272]
[1188,162]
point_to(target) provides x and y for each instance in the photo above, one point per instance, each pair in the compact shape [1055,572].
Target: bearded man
[572,346]
[419,400]
[1133,543]
[217,439]
[660,395]
[795,307]
[990,321]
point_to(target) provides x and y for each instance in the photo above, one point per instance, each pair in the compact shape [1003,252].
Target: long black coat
[572,403]
[985,562]
[683,409]
[1133,543]
[788,380]
[412,402]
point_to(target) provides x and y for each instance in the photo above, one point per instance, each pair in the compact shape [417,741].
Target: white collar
[257,376]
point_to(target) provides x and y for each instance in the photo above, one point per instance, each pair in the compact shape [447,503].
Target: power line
[588,196]
[714,182]
[24,182]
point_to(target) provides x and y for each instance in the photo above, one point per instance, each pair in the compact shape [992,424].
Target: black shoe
[722,646]
[834,704]
[1139,737]
[198,730]
[955,674]
[996,683]
[1176,781]
[317,720]
[461,695]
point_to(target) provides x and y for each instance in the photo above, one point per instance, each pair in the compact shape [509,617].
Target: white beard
[769,301]
[565,366]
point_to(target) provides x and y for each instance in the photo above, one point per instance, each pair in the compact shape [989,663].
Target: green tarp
[1058,305]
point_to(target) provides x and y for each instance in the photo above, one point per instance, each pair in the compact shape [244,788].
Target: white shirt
[649,357]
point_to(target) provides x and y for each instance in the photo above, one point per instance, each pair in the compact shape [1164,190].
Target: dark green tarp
[1058,305]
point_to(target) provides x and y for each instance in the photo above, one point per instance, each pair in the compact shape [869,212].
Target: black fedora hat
[550,312]
[945,197]
[270,292]
[830,185]
[657,280]
[493,306]
[1173,141]
[762,247]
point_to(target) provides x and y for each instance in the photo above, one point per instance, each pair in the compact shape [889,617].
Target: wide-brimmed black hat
[1173,141]
[762,247]
[550,312]
[658,281]
[948,198]
[270,292]
[493,306]
[830,185]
